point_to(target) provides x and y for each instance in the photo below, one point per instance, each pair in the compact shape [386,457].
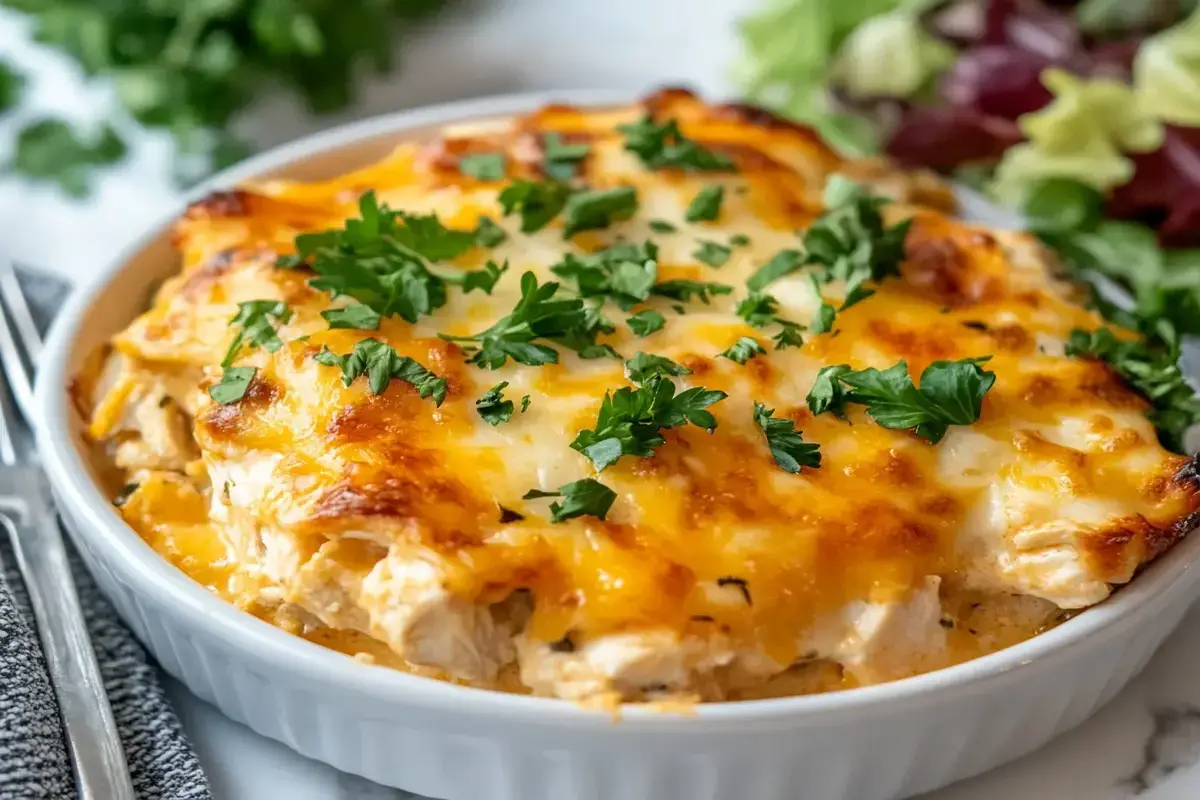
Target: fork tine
[8,449]
[10,356]
[18,309]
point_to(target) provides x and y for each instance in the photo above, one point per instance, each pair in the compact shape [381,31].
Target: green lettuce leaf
[1081,135]
[1166,73]
[891,55]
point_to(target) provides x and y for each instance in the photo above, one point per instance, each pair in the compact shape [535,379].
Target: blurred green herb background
[191,66]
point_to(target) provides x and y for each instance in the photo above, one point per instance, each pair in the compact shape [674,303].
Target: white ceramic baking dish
[457,743]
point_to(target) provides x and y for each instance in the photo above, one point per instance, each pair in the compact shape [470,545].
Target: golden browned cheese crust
[1062,466]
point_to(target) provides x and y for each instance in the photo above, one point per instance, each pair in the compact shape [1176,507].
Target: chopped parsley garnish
[493,407]
[483,166]
[1151,366]
[788,448]
[255,327]
[759,311]
[849,242]
[663,146]
[599,209]
[631,420]
[826,314]
[423,233]
[743,350]
[644,366]
[560,159]
[538,318]
[662,226]
[951,393]
[711,253]
[828,393]
[624,273]
[823,321]
[788,336]
[706,205]
[234,383]
[585,498]
[524,403]
[782,263]
[379,259]
[380,363]
[684,290]
[122,496]
[646,322]
[488,233]
[739,240]
[482,279]
[537,202]
[357,316]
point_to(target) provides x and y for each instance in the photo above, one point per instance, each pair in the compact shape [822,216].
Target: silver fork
[27,514]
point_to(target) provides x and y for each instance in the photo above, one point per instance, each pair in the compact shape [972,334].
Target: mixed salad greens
[1085,115]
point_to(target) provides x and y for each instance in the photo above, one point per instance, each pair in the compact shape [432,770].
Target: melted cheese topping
[330,509]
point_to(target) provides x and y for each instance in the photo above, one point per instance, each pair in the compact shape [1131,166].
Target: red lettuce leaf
[997,81]
[1164,192]
[944,138]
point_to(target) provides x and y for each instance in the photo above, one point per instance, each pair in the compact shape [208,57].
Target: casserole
[902,737]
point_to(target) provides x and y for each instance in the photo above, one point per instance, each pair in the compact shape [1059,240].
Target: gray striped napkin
[33,755]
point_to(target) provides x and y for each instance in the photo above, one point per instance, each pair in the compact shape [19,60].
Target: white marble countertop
[1145,744]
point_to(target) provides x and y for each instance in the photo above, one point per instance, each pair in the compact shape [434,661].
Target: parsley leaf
[706,205]
[483,166]
[646,322]
[380,363]
[663,145]
[537,202]
[759,311]
[381,263]
[560,159]
[849,242]
[426,235]
[788,336]
[488,233]
[828,393]
[358,316]
[1151,366]
[538,316]
[743,350]
[599,209]
[662,226]
[624,273]
[684,290]
[585,498]
[630,420]
[49,149]
[493,407]
[951,393]
[739,240]
[823,322]
[782,263]
[254,318]
[524,403]
[12,84]
[483,279]
[644,366]
[711,253]
[788,447]
[234,383]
